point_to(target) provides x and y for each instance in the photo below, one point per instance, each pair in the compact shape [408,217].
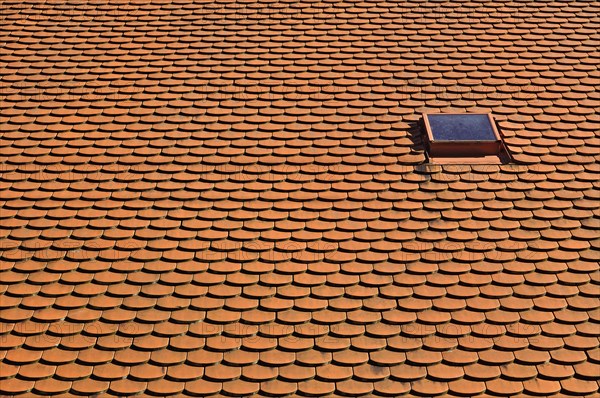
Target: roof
[231,198]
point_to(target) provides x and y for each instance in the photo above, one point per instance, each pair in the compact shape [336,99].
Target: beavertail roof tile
[216,198]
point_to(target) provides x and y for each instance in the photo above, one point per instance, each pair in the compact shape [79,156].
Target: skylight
[463,138]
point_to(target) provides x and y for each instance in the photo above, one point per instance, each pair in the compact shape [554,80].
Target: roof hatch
[453,138]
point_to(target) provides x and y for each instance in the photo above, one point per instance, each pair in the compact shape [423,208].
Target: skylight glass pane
[461,128]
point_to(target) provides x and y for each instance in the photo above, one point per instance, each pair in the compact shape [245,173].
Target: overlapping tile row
[232,199]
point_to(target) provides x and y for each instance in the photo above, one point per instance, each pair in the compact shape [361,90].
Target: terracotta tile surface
[217,198]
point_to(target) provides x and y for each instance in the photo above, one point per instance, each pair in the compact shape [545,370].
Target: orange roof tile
[234,199]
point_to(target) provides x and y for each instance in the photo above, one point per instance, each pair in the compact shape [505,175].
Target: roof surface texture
[232,198]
